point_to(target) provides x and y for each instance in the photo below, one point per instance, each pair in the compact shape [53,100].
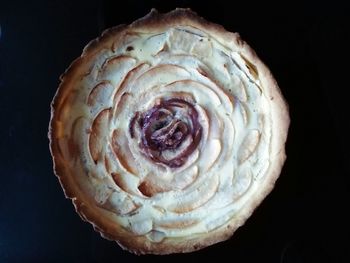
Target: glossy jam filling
[165,128]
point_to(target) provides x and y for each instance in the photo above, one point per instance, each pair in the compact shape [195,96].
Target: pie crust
[167,133]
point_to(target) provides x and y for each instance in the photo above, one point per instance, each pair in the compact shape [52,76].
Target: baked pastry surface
[167,133]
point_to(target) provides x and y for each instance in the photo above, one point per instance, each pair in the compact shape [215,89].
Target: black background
[306,46]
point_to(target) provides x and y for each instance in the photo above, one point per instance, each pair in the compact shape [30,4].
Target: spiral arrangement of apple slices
[166,133]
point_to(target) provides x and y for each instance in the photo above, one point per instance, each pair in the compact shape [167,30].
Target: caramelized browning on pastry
[164,133]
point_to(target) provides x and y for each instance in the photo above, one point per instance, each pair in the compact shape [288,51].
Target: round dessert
[167,133]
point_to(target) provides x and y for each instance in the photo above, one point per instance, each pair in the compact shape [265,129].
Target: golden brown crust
[92,213]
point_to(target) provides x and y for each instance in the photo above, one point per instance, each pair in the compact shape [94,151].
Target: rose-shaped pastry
[167,133]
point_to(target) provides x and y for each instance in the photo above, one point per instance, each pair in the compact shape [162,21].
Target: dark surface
[306,47]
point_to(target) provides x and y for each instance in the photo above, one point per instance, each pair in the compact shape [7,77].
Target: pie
[167,133]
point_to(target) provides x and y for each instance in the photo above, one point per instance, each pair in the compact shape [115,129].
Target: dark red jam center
[165,127]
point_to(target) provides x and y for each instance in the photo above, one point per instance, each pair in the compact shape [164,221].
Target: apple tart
[167,133]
